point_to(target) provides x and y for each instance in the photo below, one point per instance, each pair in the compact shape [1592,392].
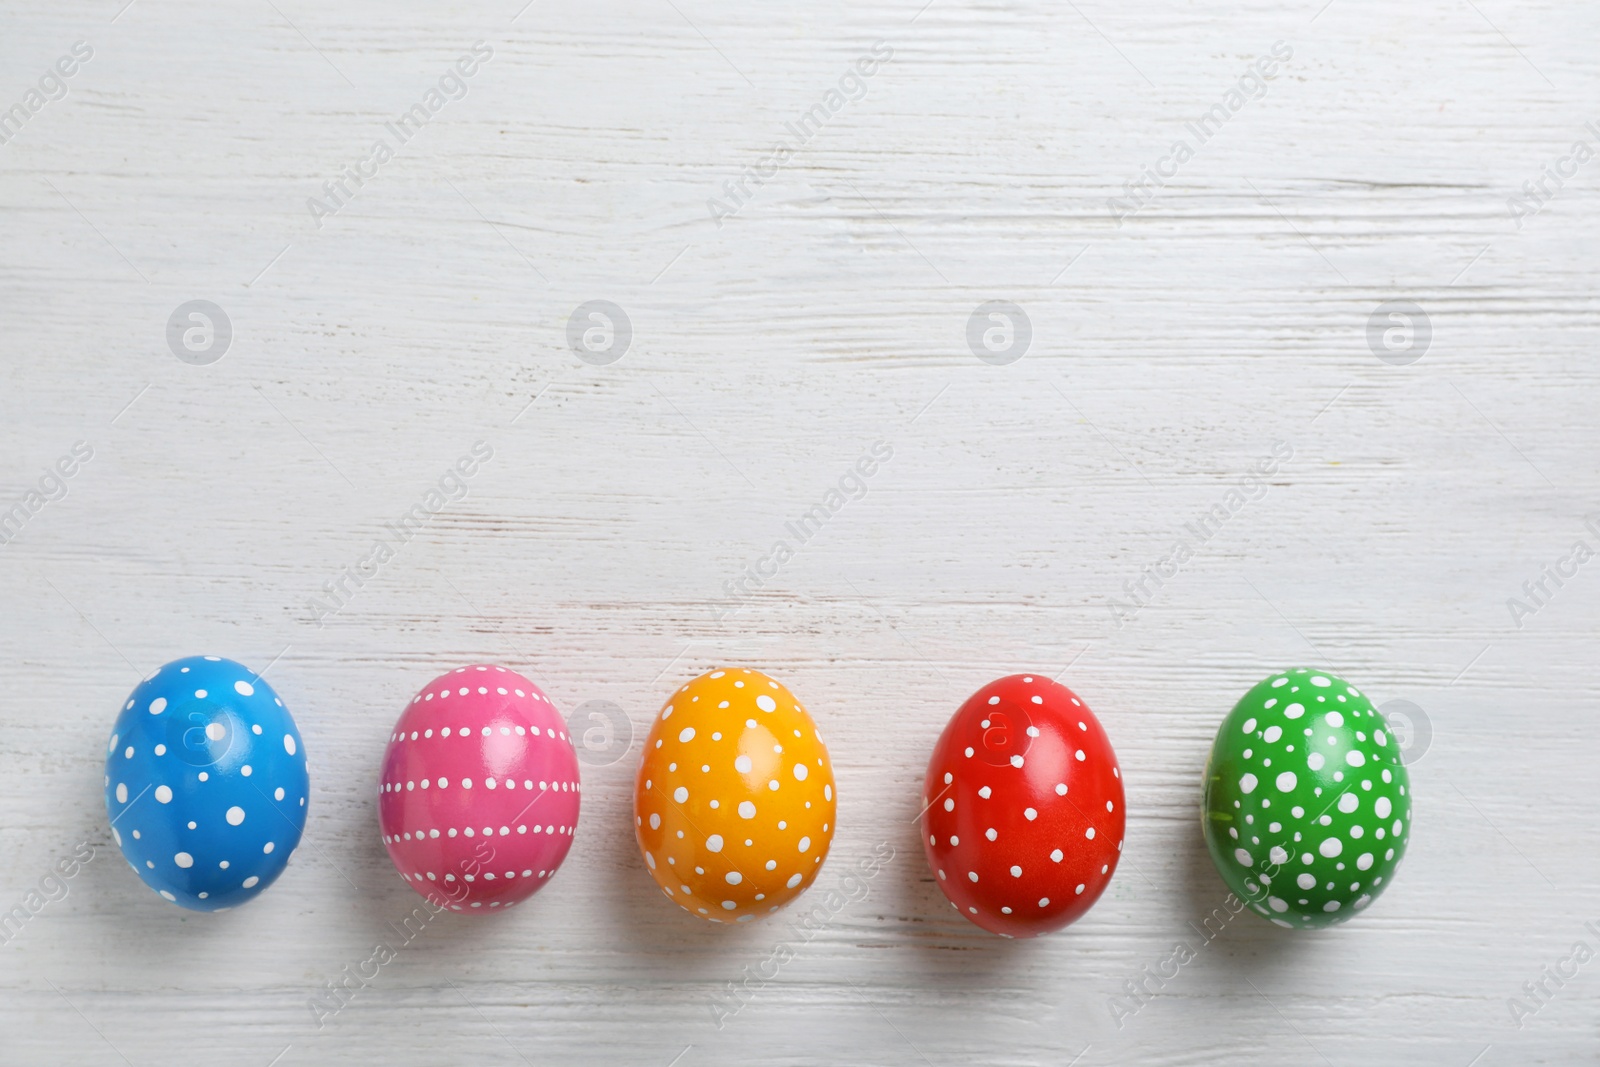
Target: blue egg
[206,783]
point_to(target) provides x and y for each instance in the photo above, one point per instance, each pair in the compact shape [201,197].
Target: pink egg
[479,795]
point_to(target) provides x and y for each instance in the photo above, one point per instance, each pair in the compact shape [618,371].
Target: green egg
[1306,806]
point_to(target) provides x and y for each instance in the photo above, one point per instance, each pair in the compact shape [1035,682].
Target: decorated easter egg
[478,799]
[206,783]
[1306,805]
[734,803]
[1022,814]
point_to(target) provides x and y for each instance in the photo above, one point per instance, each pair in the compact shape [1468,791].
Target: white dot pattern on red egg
[478,799]
[1022,817]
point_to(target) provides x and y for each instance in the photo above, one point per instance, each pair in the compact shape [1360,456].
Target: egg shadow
[662,939]
[383,908]
[947,950]
[136,926]
[1238,945]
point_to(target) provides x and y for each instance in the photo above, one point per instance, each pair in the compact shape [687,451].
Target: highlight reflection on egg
[479,794]
[734,803]
[1306,801]
[1022,807]
[206,783]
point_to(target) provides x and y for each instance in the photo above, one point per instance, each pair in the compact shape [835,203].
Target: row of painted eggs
[1306,809]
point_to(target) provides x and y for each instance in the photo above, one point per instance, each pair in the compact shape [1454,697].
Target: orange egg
[734,803]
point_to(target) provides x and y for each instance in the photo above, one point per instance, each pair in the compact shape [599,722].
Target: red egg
[1022,807]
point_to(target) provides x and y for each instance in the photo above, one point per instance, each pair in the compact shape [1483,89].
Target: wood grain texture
[1169,353]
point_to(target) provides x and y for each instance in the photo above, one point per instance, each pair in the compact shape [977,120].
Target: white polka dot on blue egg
[206,783]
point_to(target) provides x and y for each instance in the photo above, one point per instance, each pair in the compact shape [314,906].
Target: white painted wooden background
[1168,354]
